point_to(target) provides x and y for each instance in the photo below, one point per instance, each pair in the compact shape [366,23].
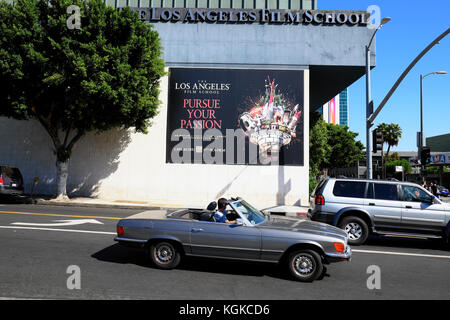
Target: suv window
[384,191]
[351,189]
[411,193]
[318,188]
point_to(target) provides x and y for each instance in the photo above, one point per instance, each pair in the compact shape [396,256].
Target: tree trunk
[62,172]
[385,160]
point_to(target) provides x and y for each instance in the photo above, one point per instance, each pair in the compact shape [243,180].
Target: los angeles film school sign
[253,16]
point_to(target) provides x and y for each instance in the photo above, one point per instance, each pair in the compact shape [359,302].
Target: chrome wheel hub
[164,253]
[353,230]
[304,265]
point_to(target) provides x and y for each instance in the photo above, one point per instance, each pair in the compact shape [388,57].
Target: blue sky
[414,24]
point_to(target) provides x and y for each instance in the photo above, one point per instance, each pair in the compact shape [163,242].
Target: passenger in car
[221,213]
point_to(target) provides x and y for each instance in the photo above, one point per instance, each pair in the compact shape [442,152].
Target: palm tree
[391,136]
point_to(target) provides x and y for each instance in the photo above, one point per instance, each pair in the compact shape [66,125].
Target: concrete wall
[267,45]
[124,165]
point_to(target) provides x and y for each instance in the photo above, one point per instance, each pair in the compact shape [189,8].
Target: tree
[318,147]
[345,150]
[103,75]
[391,136]
[330,146]
[390,166]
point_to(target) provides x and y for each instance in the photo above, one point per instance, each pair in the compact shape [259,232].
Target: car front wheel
[165,255]
[305,265]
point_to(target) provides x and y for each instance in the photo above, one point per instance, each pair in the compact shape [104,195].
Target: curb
[94,205]
[39,201]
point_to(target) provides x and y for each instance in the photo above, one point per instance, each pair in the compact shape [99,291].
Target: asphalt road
[40,245]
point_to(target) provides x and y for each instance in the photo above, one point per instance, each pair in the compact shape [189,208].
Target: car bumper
[321,217]
[337,257]
[129,242]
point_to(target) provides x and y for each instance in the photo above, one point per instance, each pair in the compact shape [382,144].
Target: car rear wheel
[165,255]
[305,265]
[356,229]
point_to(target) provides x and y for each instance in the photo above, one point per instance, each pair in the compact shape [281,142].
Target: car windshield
[253,215]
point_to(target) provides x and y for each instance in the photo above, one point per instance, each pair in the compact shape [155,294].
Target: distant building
[343,108]
[439,143]
[335,111]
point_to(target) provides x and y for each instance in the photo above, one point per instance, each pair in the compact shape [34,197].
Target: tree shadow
[106,147]
[28,147]
[137,256]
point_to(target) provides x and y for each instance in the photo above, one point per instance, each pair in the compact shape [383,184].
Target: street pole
[368,113]
[421,125]
[421,138]
[369,104]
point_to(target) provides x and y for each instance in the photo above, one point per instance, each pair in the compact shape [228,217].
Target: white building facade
[255,79]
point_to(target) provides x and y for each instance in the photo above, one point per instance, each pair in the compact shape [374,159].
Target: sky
[414,25]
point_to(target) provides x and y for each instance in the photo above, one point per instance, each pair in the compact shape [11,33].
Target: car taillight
[340,247]
[320,199]
[1,180]
[120,231]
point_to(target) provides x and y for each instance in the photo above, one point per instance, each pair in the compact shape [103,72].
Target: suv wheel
[356,229]
[165,255]
[305,265]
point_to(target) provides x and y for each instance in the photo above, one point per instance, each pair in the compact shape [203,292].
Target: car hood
[303,225]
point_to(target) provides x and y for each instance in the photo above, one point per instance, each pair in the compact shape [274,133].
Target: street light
[369,103]
[421,110]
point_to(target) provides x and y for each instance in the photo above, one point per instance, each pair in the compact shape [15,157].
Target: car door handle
[408,207]
[371,204]
[196,229]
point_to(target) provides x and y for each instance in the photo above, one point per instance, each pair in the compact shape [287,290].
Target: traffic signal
[425,156]
[377,140]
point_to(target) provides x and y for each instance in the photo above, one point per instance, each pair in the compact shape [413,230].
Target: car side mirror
[239,222]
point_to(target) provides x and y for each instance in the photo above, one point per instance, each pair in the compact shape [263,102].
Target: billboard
[235,116]
[440,158]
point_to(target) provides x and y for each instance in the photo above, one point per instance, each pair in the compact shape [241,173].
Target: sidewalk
[103,203]
[290,211]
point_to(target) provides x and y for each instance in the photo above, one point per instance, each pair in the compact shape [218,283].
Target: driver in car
[221,213]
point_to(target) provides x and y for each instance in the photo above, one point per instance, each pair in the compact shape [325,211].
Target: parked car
[362,207]
[442,191]
[301,245]
[11,181]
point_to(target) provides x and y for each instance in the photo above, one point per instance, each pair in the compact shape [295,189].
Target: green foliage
[331,146]
[319,149]
[437,169]
[391,134]
[392,157]
[345,150]
[390,166]
[104,75]
[100,76]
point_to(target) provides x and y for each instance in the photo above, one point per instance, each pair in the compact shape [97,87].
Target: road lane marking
[54,229]
[402,254]
[58,223]
[59,215]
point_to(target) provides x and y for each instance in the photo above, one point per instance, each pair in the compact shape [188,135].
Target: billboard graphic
[235,116]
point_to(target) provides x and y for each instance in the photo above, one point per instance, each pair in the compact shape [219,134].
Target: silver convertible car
[303,246]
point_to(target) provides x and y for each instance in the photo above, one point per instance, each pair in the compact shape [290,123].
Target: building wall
[123,165]
[439,143]
[246,4]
